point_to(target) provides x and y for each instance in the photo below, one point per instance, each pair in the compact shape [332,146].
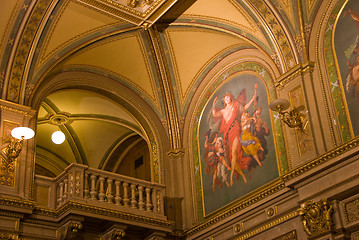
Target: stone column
[175,190]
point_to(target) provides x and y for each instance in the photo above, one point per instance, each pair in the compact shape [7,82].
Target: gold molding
[292,235]
[23,50]
[280,35]
[263,227]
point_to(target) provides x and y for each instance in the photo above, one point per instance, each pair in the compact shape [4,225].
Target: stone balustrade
[101,188]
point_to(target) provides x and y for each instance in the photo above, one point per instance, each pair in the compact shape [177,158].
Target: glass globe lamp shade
[58,137]
[22,133]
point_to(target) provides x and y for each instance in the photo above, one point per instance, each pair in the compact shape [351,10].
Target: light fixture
[58,119]
[58,137]
[13,149]
[293,118]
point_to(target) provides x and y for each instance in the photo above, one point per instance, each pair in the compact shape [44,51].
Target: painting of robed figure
[236,142]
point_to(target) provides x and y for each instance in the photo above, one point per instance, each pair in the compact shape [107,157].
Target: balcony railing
[80,183]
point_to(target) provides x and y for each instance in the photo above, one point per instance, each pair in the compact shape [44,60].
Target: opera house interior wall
[179,119]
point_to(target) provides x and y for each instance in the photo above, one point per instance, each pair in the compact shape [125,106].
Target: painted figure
[222,166]
[231,129]
[250,144]
[259,129]
[214,156]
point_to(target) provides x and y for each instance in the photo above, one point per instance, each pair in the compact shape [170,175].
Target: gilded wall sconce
[19,134]
[293,118]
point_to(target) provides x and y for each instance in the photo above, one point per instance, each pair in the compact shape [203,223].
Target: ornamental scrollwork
[316,217]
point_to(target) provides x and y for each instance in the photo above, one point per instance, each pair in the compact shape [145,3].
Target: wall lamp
[19,134]
[293,118]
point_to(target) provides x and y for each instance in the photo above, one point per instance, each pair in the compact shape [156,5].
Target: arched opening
[99,133]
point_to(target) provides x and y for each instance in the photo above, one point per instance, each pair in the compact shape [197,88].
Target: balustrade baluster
[109,191]
[93,192]
[86,188]
[118,194]
[101,194]
[61,192]
[158,201]
[141,203]
[126,200]
[70,185]
[148,199]
[65,194]
[133,196]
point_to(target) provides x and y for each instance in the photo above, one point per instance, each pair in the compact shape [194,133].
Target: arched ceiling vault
[157,52]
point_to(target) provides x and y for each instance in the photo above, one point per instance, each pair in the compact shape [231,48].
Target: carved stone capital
[316,217]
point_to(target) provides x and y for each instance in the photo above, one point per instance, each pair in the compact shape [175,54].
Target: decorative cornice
[102,211]
[254,198]
[296,71]
[321,159]
[16,108]
[261,228]
[17,203]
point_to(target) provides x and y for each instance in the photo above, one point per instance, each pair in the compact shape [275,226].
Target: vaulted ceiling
[157,51]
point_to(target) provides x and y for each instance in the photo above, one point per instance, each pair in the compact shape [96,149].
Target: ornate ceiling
[156,52]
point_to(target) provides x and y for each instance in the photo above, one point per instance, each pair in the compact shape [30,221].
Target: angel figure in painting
[230,127]
[214,157]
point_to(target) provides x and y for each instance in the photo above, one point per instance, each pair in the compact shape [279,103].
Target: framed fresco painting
[236,147]
[346,53]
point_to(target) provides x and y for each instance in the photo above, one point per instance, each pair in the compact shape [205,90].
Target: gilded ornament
[316,217]
[237,228]
[270,212]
